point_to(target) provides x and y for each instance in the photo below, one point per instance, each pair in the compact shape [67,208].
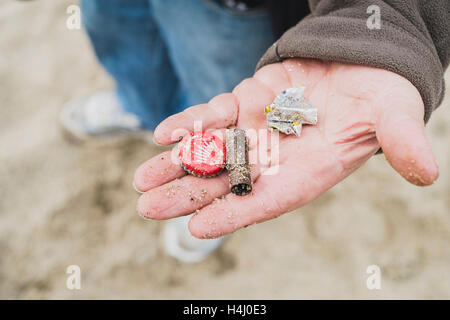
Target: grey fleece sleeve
[413,40]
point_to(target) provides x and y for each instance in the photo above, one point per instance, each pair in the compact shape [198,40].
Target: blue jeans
[166,55]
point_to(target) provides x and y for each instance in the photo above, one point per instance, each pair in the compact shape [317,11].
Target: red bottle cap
[202,154]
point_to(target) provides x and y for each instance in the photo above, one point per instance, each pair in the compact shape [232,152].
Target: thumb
[400,131]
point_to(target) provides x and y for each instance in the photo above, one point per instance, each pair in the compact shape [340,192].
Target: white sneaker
[180,244]
[99,116]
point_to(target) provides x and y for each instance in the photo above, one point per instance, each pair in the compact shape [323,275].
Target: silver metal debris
[289,111]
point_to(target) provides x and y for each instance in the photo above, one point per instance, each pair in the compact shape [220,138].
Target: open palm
[360,109]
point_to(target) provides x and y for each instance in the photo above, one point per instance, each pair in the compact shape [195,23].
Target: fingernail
[140,214]
[144,217]
[156,143]
[136,189]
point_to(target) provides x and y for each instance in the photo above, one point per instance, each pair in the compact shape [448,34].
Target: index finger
[220,112]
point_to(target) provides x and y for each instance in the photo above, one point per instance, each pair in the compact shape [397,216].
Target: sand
[65,204]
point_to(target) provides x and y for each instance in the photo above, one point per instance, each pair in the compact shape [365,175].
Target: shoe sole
[173,247]
[109,140]
[74,135]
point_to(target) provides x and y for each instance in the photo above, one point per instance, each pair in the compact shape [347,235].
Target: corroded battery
[237,162]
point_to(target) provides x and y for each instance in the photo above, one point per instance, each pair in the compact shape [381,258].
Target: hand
[360,110]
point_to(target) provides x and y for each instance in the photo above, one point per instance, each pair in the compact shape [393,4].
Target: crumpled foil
[289,111]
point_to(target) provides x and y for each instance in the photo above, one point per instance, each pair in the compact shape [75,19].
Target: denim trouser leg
[211,47]
[129,46]
[168,54]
